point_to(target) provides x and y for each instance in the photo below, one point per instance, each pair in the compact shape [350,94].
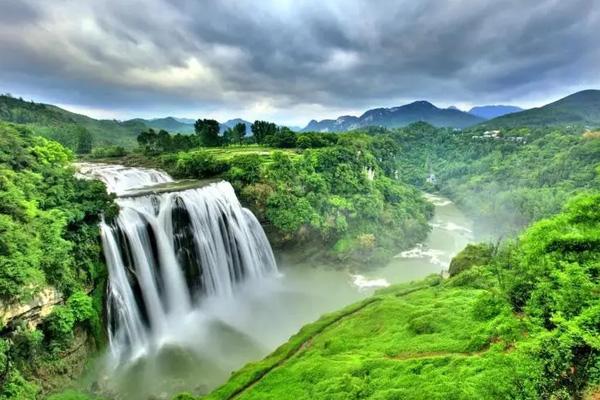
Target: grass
[406,342]
[230,152]
[220,153]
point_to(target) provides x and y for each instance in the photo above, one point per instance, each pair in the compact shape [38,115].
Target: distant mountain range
[169,124]
[581,108]
[397,117]
[186,125]
[489,112]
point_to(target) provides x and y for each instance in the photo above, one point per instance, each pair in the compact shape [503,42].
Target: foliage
[471,256]
[340,199]
[153,142]
[506,182]
[198,164]
[48,237]
[108,152]
[208,132]
[74,131]
[418,340]
[263,129]
[236,134]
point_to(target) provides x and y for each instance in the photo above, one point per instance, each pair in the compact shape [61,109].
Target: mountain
[581,108]
[65,126]
[186,125]
[169,124]
[489,112]
[186,120]
[233,122]
[397,117]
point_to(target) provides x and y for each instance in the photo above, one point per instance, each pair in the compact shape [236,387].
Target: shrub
[81,306]
[108,152]
[470,256]
[198,164]
[58,327]
[244,169]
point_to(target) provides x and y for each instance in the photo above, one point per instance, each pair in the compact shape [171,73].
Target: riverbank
[481,334]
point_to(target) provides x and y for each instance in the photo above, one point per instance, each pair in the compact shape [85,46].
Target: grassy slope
[524,326]
[407,342]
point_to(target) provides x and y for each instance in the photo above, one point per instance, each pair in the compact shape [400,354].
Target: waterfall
[166,253]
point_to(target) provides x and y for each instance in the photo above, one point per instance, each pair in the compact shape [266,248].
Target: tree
[283,137]
[239,131]
[148,140]
[208,131]
[263,129]
[84,141]
[164,141]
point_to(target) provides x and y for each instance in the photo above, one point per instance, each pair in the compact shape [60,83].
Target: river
[226,331]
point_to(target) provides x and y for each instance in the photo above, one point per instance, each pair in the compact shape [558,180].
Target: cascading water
[167,252]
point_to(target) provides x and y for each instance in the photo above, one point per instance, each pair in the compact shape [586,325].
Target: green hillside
[68,128]
[169,124]
[524,325]
[581,108]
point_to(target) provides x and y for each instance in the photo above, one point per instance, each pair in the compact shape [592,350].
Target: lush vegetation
[580,108]
[518,319]
[48,238]
[74,131]
[339,198]
[522,323]
[506,178]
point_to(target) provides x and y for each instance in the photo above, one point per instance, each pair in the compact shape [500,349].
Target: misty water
[242,320]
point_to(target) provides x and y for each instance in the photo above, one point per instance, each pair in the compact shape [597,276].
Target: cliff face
[34,311]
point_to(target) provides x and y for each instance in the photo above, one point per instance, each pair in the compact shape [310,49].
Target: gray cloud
[294,60]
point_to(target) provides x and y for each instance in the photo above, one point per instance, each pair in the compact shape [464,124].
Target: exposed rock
[33,311]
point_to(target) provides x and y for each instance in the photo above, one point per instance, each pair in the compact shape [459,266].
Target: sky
[292,61]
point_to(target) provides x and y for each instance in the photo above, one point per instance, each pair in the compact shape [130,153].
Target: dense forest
[49,243]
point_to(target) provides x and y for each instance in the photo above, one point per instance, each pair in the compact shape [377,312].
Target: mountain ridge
[399,116]
[494,111]
[580,108]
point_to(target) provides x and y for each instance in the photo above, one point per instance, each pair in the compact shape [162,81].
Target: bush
[108,152]
[471,256]
[244,169]
[58,327]
[81,306]
[198,164]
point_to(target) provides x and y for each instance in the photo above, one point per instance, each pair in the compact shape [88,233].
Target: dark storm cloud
[281,57]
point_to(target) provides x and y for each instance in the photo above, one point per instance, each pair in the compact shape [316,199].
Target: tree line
[208,134]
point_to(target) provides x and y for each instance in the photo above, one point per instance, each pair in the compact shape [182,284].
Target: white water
[168,253]
[119,179]
[193,344]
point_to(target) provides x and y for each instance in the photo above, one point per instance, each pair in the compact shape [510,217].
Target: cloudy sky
[291,61]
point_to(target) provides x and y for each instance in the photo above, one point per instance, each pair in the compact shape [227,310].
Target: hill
[67,127]
[581,108]
[489,112]
[186,125]
[493,330]
[233,122]
[169,124]
[397,117]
